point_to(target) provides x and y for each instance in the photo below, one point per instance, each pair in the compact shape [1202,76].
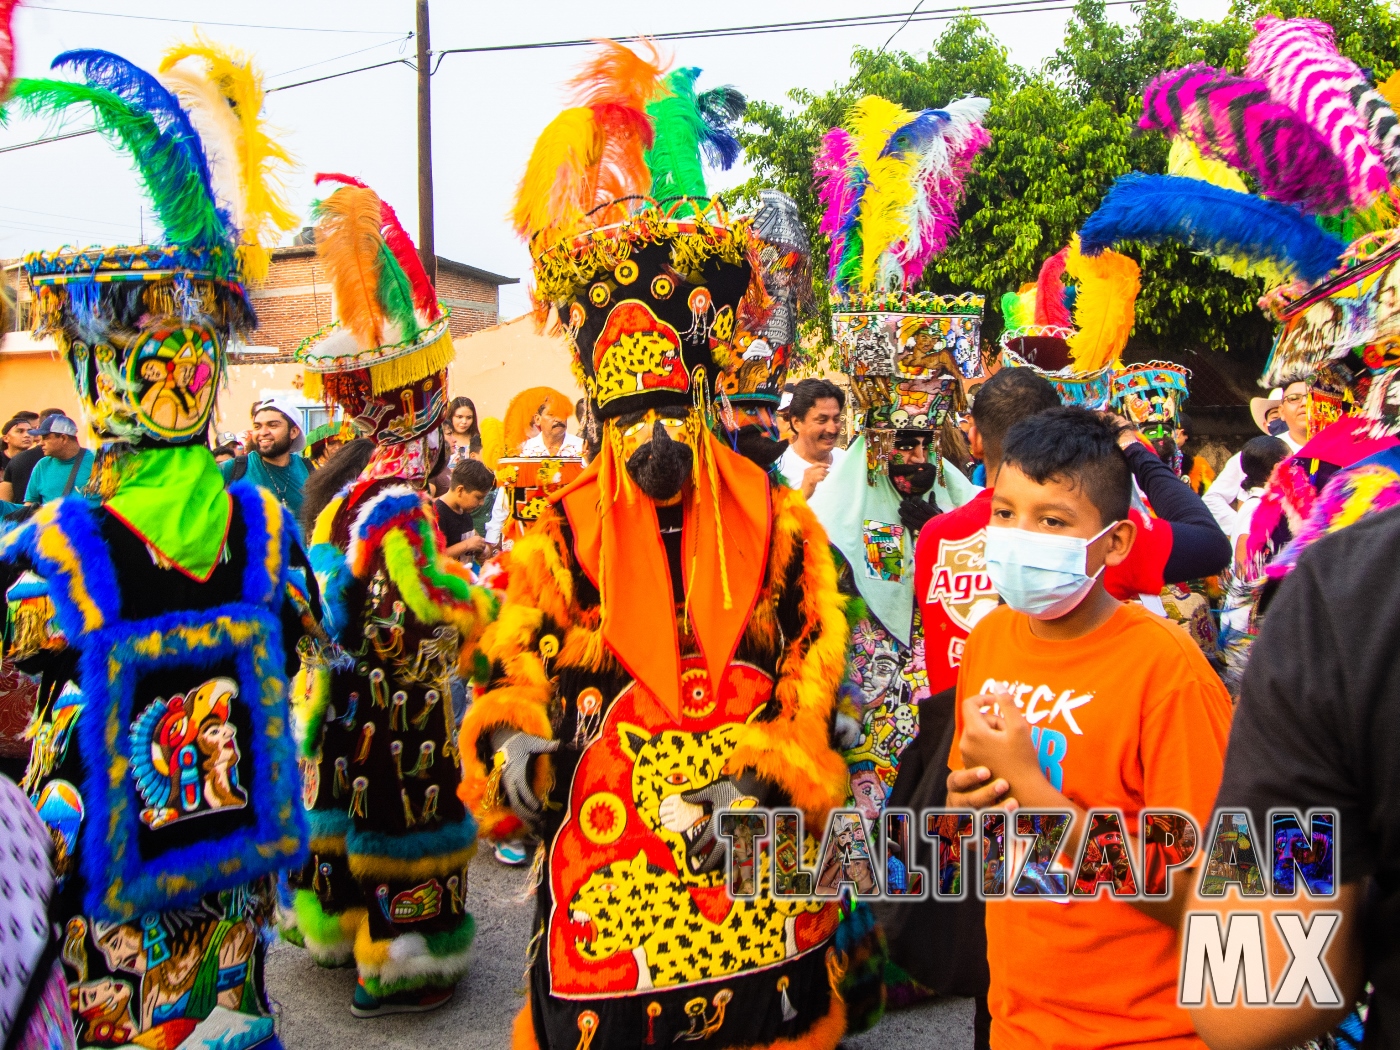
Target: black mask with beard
[753,443]
[913,479]
[661,466]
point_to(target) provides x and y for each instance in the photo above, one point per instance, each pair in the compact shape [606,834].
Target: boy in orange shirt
[1071,700]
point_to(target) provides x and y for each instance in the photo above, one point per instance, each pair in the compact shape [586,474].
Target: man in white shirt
[1292,404]
[814,414]
[552,440]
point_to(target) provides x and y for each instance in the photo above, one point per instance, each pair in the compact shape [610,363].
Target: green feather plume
[679,128]
[396,294]
[182,203]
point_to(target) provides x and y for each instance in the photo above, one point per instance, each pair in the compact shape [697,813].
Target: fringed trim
[793,749]
[412,960]
[525,708]
[409,368]
[329,938]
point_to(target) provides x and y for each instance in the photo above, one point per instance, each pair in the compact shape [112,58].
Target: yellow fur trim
[793,750]
[325,520]
[367,866]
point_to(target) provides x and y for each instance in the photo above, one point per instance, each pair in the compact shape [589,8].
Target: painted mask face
[146,356]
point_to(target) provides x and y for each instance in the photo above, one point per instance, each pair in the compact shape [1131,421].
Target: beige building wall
[34,377]
[496,363]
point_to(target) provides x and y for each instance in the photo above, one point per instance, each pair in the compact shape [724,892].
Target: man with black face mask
[670,648]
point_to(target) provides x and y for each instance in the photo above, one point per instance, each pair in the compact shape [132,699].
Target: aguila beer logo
[960,582]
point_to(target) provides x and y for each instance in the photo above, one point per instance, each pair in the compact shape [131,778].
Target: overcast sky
[487,108]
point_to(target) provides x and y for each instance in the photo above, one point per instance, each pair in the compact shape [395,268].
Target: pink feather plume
[831,170]
[7,45]
[1050,306]
[1298,59]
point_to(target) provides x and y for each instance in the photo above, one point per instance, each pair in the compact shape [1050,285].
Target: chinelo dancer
[891,180]
[387,879]
[672,638]
[158,611]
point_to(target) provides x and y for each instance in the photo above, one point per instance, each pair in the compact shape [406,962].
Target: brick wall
[294,302]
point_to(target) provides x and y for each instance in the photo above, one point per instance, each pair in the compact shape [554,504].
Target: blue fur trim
[447,839]
[27,589]
[397,502]
[110,853]
[328,823]
[334,577]
[854,928]
[77,522]
[260,585]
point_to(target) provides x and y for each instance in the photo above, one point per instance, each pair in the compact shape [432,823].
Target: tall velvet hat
[648,273]
[384,357]
[890,181]
[766,349]
[144,330]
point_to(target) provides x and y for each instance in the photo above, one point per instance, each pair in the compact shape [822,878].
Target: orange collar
[724,552]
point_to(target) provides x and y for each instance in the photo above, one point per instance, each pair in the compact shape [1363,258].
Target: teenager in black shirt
[471,481]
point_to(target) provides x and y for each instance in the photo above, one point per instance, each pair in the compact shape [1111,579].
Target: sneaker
[417,1001]
[511,854]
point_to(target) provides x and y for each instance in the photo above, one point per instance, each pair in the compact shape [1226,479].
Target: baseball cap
[293,414]
[56,425]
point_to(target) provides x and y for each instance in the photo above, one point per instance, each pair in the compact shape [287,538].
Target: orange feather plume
[349,243]
[594,153]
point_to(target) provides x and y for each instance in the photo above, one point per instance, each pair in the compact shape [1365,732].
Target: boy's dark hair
[808,392]
[1076,446]
[1004,400]
[329,478]
[45,413]
[1259,457]
[473,475]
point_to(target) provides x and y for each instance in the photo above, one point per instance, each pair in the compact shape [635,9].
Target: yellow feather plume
[549,193]
[1389,90]
[1103,306]
[889,189]
[261,162]
[592,154]
[349,243]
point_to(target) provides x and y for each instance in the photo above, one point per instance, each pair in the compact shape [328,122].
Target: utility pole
[426,249]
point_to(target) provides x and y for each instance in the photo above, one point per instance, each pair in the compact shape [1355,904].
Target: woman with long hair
[463,431]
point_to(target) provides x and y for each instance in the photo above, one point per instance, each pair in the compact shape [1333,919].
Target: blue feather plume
[1151,209]
[719,109]
[183,190]
[915,135]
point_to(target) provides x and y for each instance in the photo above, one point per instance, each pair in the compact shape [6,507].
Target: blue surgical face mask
[1277,427]
[1041,575]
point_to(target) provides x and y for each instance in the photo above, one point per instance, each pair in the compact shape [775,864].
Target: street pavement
[314,1003]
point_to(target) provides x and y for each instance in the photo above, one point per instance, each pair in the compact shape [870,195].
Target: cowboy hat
[1259,407]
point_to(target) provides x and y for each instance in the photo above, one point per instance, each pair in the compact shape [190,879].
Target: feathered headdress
[1298,60]
[890,182]
[614,198]
[389,329]
[1221,222]
[223,93]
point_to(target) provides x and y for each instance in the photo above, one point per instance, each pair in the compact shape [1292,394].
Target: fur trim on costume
[62,544]
[792,749]
[526,709]
[329,938]
[328,828]
[1348,497]
[412,960]
[333,576]
[522,1031]
[397,521]
[414,856]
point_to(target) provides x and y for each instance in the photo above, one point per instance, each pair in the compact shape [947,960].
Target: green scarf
[174,499]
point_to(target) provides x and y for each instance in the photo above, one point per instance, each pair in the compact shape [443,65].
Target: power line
[336,58]
[202,22]
[1007,7]
[1000,7]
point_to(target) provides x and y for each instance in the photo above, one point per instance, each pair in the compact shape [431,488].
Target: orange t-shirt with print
[1128,717]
